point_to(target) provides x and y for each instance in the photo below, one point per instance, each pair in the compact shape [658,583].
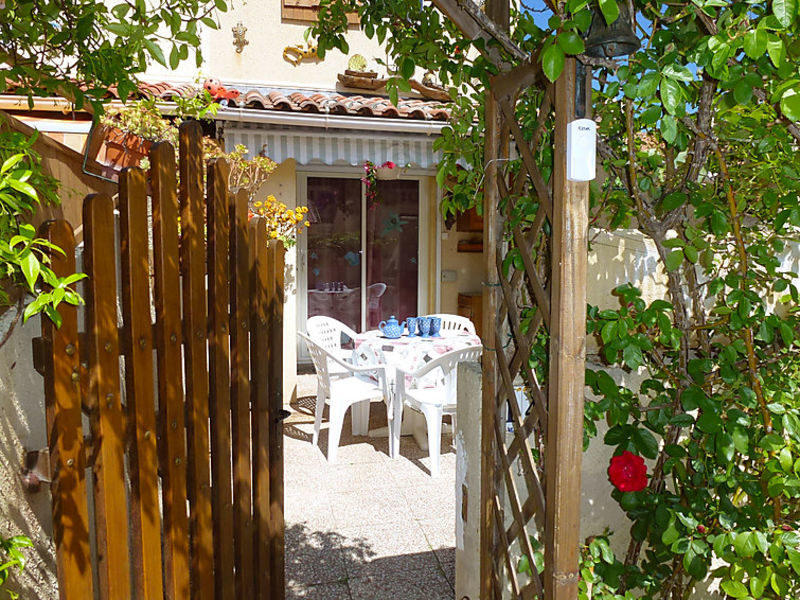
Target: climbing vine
[698,136]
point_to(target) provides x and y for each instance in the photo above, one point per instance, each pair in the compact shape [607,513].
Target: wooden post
[489,360]
[567,360]
[497,10]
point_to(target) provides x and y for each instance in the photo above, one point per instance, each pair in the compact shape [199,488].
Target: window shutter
[306,10]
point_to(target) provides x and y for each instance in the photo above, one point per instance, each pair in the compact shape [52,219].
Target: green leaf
[709,422]
[670,535]
[553,62]
[776,49]
[755,43]
[744,543]
[678,72]
[691,254]
[742,92]
[155,51]
[570,42]
[669,128]
[671,94]
[740,438]
[609,9]
[790,105]
[174,57]
[785,11]
[648,84]
[674,260]
[407,67]
[645,443]
[30,267]
[725,447]
[734,589]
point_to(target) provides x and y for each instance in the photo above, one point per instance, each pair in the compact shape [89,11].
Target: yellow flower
[258,204]
[307,224]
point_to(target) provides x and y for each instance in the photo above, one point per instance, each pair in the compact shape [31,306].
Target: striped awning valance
[335,147]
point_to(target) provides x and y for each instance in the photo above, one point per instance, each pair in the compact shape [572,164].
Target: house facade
[371,251]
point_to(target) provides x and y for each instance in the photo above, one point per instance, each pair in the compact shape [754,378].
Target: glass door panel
[392,252]
[334,249]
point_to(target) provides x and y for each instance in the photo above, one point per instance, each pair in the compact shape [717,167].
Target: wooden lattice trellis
[531,472]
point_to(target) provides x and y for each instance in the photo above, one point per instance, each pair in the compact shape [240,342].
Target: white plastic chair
[455,323]
[342,392]
[432,402]
[328,333]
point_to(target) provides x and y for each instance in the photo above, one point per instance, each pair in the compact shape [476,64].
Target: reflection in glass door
[343,230]
[392,252]
[334,249]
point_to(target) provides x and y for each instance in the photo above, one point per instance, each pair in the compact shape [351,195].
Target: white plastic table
[408,353]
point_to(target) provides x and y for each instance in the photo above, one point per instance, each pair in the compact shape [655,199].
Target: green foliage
[23,256]
[12,557]
[710,176]
[79,49]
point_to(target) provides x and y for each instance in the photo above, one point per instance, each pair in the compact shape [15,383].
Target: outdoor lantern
[618,39]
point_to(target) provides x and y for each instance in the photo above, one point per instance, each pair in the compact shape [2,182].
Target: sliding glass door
[359,260]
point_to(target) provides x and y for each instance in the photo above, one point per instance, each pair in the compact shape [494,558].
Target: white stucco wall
[22,427]
[261,62]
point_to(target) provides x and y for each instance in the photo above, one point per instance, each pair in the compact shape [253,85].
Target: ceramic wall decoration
[391,328]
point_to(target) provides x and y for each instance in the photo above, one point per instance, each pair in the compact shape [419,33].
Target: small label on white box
[581,150]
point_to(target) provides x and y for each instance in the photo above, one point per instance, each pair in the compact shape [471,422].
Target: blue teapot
[391,328]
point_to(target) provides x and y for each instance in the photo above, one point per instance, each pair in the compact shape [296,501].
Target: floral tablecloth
[408,353]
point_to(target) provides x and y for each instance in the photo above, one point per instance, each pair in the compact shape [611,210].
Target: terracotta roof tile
[309,102]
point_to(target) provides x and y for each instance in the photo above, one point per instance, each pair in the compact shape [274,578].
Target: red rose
[701,528]
[389,164]
[628,472]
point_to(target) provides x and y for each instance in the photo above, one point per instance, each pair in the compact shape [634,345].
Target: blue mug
[411,325]
[424,324]
[436,326]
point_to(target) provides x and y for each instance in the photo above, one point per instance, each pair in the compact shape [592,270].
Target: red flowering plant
[370,180]
[627,472]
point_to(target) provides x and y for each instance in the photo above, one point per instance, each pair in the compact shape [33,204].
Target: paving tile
[432,500]
[312,510]
[326,591]
[313,557]
[413,583]
[449,568]
[390,546]
[440,533]
[358,476]
[360,508]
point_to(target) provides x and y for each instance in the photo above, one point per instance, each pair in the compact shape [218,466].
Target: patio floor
[367,527]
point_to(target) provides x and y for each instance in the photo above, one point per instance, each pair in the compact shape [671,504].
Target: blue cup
[436,326]
[424,325]
[411,324]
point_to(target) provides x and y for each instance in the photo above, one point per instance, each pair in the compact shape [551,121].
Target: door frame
[424,262]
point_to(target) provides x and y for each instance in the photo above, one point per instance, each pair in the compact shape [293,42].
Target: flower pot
[121,149]
[384,173]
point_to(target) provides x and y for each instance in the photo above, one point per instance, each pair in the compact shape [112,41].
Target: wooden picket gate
[180,373]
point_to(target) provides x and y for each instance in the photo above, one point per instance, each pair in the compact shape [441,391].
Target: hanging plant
[372,173]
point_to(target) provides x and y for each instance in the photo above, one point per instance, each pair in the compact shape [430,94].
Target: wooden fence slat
[65,432]
[275,278]
[139,393]
[219,378]
[240,395]
[260,389]
[195,331]
[107,419]
[172,453]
